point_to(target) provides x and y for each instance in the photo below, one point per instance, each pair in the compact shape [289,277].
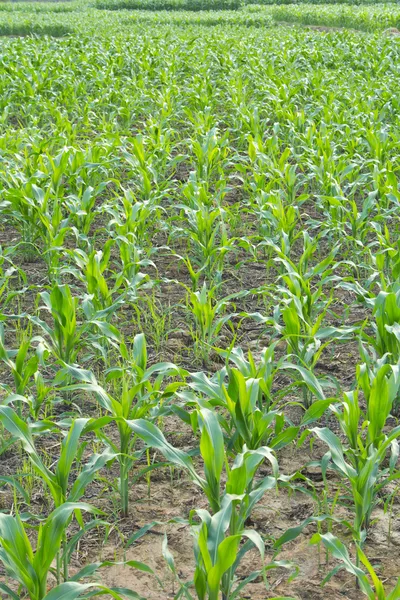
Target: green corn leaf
[339,551]
[395,593]
[217,527]
[212,450]
[309,379]
[88,473]
[226,556]
[72,590]
[154,438]
[336,449]
[69,450]
[9,592]
[20,430]
[89,570]
[316,410]
[51,533]
[140,351]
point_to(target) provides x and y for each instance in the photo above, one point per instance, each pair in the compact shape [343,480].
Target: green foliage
[31,567]
[136,394]
[339,551]
[192,5]
[200,260]
[365,18]
[366,471]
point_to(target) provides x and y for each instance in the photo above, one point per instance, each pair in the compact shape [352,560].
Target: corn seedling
[136,394]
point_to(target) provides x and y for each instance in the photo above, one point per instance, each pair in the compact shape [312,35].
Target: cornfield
[200,300]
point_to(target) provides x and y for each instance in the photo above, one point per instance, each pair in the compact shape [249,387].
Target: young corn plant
[344,219]
[144,162]
[249,414]
[362,462]
[252,424]
[218,537]
[130,229]
[211,152]
[245,420]
[265,369]
[385,305]
[214,457]
[65,338]
[278,221]
[205,230]
[376,591]
[386,260]
[137,392]
[30,567]
[39,215]
[134,217]
[94,270]
[24,368]
[208,320]
[386,313]
[219,553]
[82,211]
[372,369]
[58,480]
[302,307]
[65,335]
[23,204]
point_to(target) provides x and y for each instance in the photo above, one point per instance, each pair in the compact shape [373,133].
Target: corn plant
[144,162]
[386,324]
[250,415]
[205,230]
[240,477]
[253,425]
[208,317]
[277,221]
[249,422]
[39,214]
[64,338]
[65,335]
[30,567]
[210,151]
[343,217]
[90,269]
[57,481]
[135,396]
[130,225]
[376,591]
[24,368]
[82,210]
[362,463]
[218,554]
[217,551]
